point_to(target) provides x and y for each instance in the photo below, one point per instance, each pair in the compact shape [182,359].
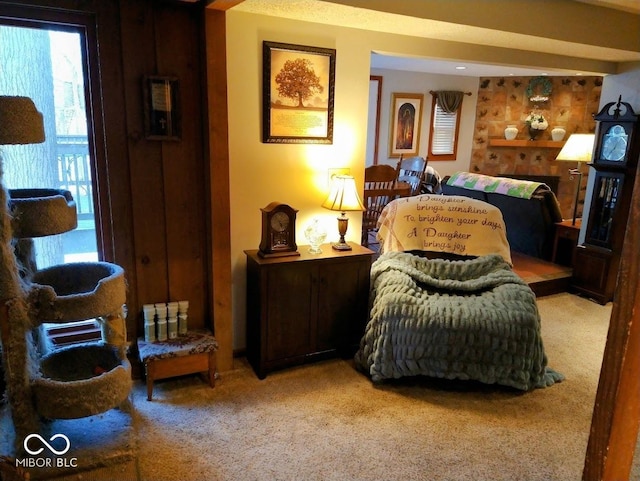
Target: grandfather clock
[615,159]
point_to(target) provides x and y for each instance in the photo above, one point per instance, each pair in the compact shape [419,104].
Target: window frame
[452,156]
[85,26]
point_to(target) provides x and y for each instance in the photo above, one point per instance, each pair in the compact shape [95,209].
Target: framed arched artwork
[406,121]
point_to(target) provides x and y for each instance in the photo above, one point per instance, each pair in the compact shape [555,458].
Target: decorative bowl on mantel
[511,132]
[558,133]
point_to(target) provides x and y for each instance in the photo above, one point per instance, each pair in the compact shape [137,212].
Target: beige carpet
[328,422]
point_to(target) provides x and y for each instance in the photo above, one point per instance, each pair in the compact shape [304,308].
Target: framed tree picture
[406,120]
[298,92]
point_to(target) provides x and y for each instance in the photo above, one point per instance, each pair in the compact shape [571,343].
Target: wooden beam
[614,426]
[220,245]
[222,4]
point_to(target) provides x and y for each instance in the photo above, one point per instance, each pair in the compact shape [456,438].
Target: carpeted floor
[329,422]
[326,421]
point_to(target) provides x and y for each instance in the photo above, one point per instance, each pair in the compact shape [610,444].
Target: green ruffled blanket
[472,319]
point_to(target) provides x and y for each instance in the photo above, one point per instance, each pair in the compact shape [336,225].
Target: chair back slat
[411,170]
[374,201]
[379,177]
[379,190]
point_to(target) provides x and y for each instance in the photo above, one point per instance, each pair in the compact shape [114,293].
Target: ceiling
[446,67]
[336,12]
[631,6]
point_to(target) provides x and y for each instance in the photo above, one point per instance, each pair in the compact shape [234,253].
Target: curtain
[449,100]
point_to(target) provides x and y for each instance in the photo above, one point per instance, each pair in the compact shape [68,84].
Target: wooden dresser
[305,308]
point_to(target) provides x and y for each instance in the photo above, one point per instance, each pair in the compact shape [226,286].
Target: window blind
[444,132]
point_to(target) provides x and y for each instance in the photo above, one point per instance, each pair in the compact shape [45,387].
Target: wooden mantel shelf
[545,144]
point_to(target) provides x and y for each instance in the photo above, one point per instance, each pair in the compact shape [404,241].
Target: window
[443,133]
[51,70]
[52,75]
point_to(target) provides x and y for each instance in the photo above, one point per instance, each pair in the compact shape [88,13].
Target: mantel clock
[278,231]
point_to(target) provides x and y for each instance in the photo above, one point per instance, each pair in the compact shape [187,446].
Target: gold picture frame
[296,111]
[406,123]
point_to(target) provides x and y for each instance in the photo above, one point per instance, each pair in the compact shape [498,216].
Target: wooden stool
[192,353]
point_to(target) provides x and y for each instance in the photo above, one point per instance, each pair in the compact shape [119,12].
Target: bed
[445,302]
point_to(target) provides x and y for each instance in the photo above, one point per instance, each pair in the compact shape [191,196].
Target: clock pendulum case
[278,231]
[615,159]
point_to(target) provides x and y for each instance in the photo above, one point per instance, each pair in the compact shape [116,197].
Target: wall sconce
[578,148]
[343,197]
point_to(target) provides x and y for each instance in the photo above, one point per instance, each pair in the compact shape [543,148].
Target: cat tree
[78,380]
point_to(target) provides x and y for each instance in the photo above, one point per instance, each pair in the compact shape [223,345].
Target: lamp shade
[578,148]
[20,121]
[343,195]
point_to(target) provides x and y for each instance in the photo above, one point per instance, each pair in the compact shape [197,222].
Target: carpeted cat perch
[69,383]
[70,388]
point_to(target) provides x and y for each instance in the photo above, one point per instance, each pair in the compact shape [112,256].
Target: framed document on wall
[161,112]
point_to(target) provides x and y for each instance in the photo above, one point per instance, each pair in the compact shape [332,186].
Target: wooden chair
[411,171]
[379,190]
[379,177]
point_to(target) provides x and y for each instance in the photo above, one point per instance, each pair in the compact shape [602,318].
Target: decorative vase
[533,133]
[315,234]
[557,133]
[510,132]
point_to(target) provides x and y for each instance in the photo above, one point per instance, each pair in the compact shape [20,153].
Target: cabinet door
[342,304]
[291,302]
[593,274]
[607,190]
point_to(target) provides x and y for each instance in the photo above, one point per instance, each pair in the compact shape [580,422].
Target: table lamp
[343,197]
[578,148]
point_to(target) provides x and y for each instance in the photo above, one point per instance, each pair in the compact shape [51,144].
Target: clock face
[280,222]
[614,144]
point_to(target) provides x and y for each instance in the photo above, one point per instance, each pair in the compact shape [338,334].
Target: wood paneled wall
[154,195]
[168,200]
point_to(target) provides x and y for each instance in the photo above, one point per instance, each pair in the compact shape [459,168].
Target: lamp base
[341,246]
[576,172]
[343,224]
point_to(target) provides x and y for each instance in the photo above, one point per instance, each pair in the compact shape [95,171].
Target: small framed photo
[161,108]
[406,121]
[298,90]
